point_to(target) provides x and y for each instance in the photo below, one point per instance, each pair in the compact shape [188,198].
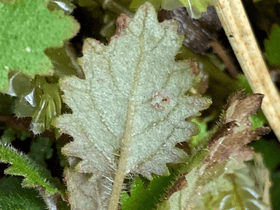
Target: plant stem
[239,32]
[121,171]
[125,145]
[115,7]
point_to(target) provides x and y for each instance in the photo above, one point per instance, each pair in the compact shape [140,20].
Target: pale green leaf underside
[133,89]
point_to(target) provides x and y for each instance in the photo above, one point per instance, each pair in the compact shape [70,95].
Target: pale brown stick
[239,32]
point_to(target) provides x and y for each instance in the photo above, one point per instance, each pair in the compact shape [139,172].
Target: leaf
[229,186]
[198,32]
[272,46]
[243,194]
[130,111]
[196,7]
[38,99]
[227,152]
[199,138]
[10,135]
[142,198]
[64,60]
[235,131]
[40,150]
[65,5]
[22,166]
[257,120]
[24,38]
[171,4]
[137,3]
[13,196]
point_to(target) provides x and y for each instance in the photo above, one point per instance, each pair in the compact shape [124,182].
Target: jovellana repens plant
[132,110]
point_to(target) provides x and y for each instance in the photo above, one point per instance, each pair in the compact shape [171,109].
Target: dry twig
[237,27]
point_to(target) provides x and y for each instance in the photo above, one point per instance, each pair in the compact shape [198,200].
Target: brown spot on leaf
[160,100]
[121,24]
[194,67]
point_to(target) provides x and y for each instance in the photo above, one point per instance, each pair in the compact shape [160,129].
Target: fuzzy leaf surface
[133,97]
[23,166]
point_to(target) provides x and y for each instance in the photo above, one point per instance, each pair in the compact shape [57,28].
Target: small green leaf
[10,135]
[137,3]
[37,98]
[171,4]
[13,196]
[258,119]
[196,7]
[23,166]
[40,150]
[142,198]
[197,139]
[272,46]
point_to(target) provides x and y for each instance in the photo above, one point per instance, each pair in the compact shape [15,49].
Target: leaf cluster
[127,114]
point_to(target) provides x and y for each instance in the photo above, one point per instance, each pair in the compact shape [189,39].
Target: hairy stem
[239,32]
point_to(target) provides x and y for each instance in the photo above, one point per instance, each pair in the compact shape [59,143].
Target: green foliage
[142,198]
[242,195]
[196,140]
[219,83]
[243,84]
[223,187]
[134,97]
[227,150]
[272,46]
[10,135]
[41,150]
[7,104]
[27,28]
[194,7]
[23,166]
[257,120]
[37,98]
[13,196]
[64,60]
[136,3]
[270,150]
